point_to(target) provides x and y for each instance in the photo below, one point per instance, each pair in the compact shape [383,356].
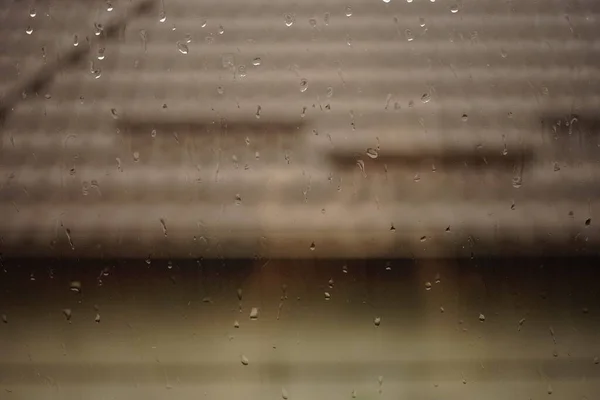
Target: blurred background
[293,199]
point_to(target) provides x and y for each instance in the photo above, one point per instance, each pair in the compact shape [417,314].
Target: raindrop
[236,324]
[372,153]
[330,92]
[409,1]
[136,156]
[387,1]
[348,11]
[244,360]
[188,38]
[242,71]
[427,285]
[326,18]
[303,85]
[29,30]
[254,313]
[423,238]
[289,19]
[596,359]
[67,313]
[239,294]
[109,6]
[75,286]
[377,321]
[481,317]
[503,53]
[163,225]
[550,390]
[327,295]
[465,117]
[101,53]
[353,393]
[313,246]
[162,16]
[68,233]
[331,283]
[312,22]
[98,29]
[556,167]
[454,8]
[220,90]
[113,112]
[97,319]
[153,133]
[258,112]
[442,310]
[422,22]
[32,12]
[588,222]
[182,47]
[238,199]
[517,182]
[256,62]
[409,35]
[75,40]
[425,98]
[4,319]
[284,394]
[437,278]
[393,228]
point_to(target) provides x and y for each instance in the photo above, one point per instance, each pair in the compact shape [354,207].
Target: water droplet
[254,313]
[550,390]
[422,22]
[98,28]
[372,153]
[517,182]
[409,35]
[313,246]
[109,6]
[345,269]
[163,225]
[326,18]
[4,319]
[481,317]
[386,1]
[97,319]
[101,53]
[442,310]
[238,199]
[153,133]
[503,53]
[256,62]
[437,279]
[162,16]
[327,295]
[29,30]
[289,19]
[409,1]
[353,393]
[303,85]
[75,286]
[454,8]
[465,117]
[220,90]
[588,222]
[236,324]
[329,92]
[242,71]
[348,11]
[312,22]
[596,360]
[182,47]
[136,156]
[284,394]
[427,285]
[377,321]
[32,12]
[425,98]
[258,112]
[75,40]
[67,313]
[244,360]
